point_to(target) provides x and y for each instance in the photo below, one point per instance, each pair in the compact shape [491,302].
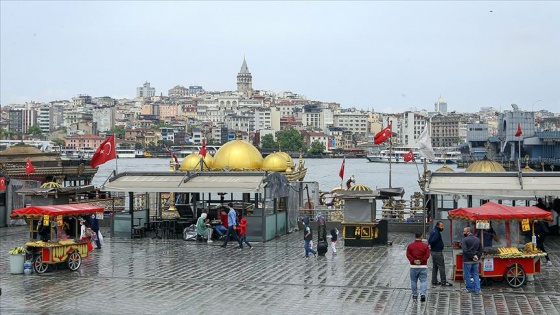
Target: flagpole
[519,157]
[390,157]
[117,165]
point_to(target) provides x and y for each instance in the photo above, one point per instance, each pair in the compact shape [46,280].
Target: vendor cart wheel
[515,276]
[39,265]
[74,261]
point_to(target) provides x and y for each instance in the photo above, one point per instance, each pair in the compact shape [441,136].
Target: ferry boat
[396,155]
[126,153]
[448,157]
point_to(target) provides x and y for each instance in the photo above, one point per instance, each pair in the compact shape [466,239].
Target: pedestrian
[334,238]
[243,232]
[232,223]
[418,253]
[307,237]
[85,233]
[472,251]
[541,230]
[94,224]
[203,231]
[436,250]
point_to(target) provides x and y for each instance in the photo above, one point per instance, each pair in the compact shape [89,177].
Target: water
[323,171]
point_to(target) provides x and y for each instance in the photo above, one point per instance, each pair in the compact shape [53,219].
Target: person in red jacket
[418,253]
[242,231]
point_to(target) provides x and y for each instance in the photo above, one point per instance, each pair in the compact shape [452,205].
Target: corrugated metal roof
[186,182]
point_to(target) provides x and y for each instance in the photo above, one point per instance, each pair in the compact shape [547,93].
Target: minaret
[245,80]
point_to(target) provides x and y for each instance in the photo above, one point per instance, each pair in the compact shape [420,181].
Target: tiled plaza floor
[152,276]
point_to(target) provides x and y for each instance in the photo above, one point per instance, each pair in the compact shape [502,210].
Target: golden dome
[238,155]
[276,162]
[288,158]
[485,165]
[51,185]
[444,169]
[192,162]
[527,169]
[360,187]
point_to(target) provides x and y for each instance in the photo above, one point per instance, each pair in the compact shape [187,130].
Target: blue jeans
[470,270]
[418,274]
[307,249]
[220,229]
[244,240]
[231,231]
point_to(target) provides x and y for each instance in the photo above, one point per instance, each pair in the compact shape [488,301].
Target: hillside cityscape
[153,121]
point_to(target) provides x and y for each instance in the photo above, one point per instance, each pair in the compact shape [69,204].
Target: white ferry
[126,153]
[396,155]
[445,156]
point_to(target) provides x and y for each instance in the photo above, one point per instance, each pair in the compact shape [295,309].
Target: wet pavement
[152,276]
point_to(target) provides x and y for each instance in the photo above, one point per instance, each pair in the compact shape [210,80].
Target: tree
[118,131]
[317,147]
[267,142]
[58,142]
[138,146]
[35,130]
[290,140]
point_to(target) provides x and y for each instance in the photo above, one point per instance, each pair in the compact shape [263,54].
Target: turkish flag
[383,135]
[2,183]
[203,149]
[341,172]
[105,152]
[29,167]
[409,156]
[518,133]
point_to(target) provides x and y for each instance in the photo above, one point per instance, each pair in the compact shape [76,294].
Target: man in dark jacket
[418,253]
[436,249]
[472,251]
[541,230]
[94,224]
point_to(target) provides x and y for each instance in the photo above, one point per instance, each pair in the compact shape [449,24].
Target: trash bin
[16,264]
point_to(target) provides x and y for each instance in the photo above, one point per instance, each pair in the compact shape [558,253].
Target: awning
[508,185]
[495,211]
[54,210]
[186,182]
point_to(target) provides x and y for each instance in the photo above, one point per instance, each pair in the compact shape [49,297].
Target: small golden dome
[275,162]
[485,165]
[238,155]
[527,169]
[288,158]
[192,162]
[444,169]
[51,185]
[360,187]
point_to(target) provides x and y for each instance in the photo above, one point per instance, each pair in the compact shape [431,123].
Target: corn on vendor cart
[513,260]
[57,249]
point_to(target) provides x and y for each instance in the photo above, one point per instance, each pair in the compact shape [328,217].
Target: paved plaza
[152,276]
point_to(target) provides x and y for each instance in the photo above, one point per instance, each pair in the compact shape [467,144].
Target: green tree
[58,142]
[267,142]
[118,131]
[317,147]
[290,140]
[35,130]
[138,146]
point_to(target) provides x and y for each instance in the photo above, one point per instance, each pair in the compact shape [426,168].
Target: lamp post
[533,106]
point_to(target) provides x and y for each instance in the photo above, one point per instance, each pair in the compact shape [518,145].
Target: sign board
[59,220]
[46,220]
[488,264]
[525,226]
[482,224]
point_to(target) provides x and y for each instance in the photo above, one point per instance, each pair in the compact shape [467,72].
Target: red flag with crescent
[341,172]
[383,135]
[2,183]
[29,167]
[203,149]
[105,152]
[408,156]
[172,155]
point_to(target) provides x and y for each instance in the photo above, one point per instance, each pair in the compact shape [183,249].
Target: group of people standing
[233,225]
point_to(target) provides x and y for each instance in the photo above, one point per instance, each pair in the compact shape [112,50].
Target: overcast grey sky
[386,56]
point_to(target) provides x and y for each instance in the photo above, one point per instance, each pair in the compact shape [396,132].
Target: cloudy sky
[385,56]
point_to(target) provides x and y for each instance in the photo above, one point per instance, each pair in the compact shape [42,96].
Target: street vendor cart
[59,248]
[514,260]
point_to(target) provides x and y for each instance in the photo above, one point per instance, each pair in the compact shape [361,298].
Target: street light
[533,106]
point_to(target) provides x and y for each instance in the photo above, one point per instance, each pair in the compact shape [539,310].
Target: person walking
[94,224]
[307,237]
[418,253]
[472,251]
[541,230]
[334,238]
[232,223]
[243,232]
[436,250]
